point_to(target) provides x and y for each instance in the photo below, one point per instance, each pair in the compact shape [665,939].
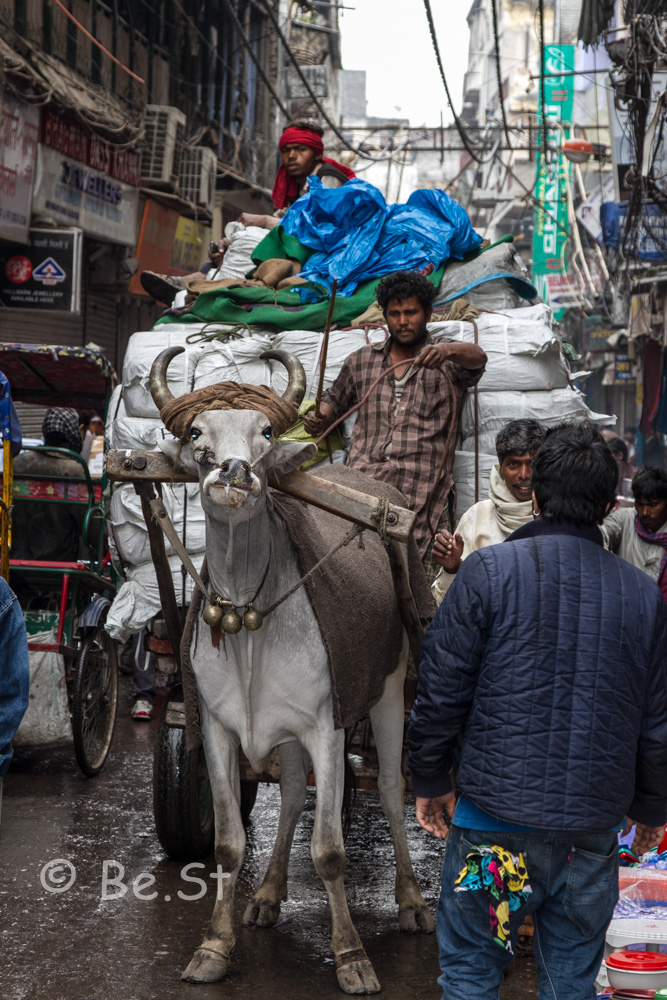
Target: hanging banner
[72,193]
[550,237]
[45,273]
[19,131]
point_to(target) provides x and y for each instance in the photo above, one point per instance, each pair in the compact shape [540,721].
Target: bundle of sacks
[527,375]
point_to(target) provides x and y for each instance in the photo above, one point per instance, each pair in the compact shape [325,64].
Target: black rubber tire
[248,797]
[182,800]
[94,700]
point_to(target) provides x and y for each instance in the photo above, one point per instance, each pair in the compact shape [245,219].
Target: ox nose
[235,472]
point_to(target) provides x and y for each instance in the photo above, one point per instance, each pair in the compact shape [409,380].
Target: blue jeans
[574,879]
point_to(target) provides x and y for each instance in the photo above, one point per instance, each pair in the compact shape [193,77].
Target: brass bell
[231,622]
[212,615]
[253,619]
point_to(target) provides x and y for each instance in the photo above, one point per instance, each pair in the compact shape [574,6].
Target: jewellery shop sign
[71,193]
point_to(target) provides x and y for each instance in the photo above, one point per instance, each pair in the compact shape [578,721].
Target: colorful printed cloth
[504,879]
[656,538]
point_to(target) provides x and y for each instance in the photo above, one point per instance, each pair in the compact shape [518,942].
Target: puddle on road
[74,946]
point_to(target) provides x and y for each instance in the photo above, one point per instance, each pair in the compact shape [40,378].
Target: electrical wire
[499,73]
[457,121]
[304,80]
[251,52]
[544,76]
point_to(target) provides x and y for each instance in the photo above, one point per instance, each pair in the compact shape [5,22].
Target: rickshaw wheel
[182,798]
[94,700]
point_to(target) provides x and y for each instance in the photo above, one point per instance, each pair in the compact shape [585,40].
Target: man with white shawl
[509,505]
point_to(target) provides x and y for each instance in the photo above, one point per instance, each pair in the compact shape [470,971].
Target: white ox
[272,688]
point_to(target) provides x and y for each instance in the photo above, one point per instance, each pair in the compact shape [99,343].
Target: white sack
[464,477]
[307,346]
[121,432]
[129,528]
[238,257]
[138,600]
[497,408]
[497,294]
[46,721]
[525,356]
[235,361]
[142,350]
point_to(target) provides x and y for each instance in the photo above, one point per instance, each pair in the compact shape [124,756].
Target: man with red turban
[301,148]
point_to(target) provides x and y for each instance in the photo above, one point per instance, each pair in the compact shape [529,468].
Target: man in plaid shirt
[406,432]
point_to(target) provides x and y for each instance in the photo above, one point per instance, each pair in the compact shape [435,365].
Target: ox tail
[349,791]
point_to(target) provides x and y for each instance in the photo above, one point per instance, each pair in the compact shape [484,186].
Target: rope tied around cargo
[179,414]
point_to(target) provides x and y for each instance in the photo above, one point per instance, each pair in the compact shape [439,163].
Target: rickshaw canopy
[55,376]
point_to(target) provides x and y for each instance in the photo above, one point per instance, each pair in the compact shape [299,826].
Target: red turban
[286,188]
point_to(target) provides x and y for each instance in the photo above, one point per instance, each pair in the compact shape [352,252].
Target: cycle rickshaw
[68,598]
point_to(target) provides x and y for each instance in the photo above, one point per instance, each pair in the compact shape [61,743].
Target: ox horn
[296,385]
[157,381]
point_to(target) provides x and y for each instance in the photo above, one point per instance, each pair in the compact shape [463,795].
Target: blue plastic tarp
[357,236]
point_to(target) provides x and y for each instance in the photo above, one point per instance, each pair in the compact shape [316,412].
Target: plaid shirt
[421,430]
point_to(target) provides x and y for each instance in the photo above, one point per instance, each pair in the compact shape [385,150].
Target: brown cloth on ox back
[352,596]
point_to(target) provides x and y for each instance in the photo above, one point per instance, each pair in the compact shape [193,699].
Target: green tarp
[283,309]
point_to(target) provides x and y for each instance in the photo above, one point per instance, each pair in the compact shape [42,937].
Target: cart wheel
[248,796]
[182,799]
[94,700]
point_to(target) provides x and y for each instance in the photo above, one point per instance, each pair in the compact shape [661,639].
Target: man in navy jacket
[543,683]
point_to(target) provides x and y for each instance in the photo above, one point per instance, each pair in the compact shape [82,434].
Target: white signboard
[19,131]
[588,212]
[69,192]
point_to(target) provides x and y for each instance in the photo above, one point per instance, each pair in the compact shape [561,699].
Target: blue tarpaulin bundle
[357,236]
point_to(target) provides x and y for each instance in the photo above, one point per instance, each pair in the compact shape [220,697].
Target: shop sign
[19,131]
[623,369]
[596,333]
[68,191]
[44,273]
[67,136]
[550,237]
[190,248]
[155,243]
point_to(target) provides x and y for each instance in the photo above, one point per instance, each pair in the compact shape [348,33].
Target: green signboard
[550,240]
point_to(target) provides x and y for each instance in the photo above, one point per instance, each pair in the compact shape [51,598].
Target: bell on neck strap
[212,615]
[231,622]
[253,619]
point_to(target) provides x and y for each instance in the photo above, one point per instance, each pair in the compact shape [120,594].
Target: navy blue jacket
[14,671]
[545,669]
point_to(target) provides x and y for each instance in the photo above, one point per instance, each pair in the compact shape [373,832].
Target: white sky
[391,41]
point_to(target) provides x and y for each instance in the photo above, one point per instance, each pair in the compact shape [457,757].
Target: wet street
[74,946]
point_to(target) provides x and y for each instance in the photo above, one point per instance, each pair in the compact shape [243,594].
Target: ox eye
[194,434]
[268,431]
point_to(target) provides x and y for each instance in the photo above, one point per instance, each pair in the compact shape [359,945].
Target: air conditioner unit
[162,145]
[197,176]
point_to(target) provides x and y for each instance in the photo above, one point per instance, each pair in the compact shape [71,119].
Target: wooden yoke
[154,467]
[143,468]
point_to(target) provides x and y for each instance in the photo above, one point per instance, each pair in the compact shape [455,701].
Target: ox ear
[289,455]
[179,455]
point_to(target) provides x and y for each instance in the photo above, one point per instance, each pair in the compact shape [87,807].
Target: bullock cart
[182,800]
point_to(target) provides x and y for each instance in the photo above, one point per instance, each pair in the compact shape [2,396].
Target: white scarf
[511,513]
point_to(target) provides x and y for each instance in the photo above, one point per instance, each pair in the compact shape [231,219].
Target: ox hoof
[261,913]
[356,974]
[205,967]
[416,918]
